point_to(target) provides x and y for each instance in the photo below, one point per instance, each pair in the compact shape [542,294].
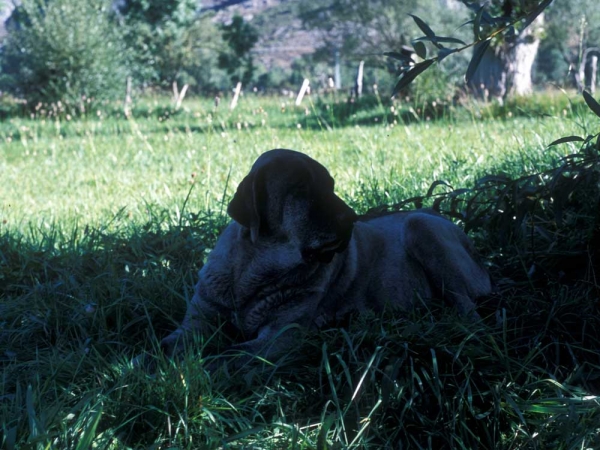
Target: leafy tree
[360,29]
[506,66]
[240,37]
[508,25]
[161,35]
[63,50]
[572,31]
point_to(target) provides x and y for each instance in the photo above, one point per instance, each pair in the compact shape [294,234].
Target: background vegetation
[52,49]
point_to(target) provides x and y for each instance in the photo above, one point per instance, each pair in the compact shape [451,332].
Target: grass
[104,222]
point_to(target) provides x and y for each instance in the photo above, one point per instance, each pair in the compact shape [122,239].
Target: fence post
[358,86]
[181,96]
[236,95]
[337,73]
[303,90]
[594,62]
[127,103]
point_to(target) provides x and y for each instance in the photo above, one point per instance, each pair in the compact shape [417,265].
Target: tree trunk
[506,69]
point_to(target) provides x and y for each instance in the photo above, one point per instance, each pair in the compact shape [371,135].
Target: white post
[594,62]
[337,74]
[236,95]
[358,86]
[127,105]
[303,90]
[175,92]
[181,96]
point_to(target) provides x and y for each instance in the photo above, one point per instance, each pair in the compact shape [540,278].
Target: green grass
[104,222]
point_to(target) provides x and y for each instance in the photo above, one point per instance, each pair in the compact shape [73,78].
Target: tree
[572,37]
[63,51]
[161,35]
[360,29]
[445,46]
[240,37]
[506,67]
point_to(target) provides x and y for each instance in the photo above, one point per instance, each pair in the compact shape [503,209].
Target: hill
[283,38]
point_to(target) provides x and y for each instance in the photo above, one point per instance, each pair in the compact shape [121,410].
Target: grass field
[105,220]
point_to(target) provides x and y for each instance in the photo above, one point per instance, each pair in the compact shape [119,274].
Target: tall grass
[105,220]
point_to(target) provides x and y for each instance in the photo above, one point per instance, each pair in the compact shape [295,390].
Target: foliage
[359,30]
[240,37]
[364,27]
[63,51]
[168,41]
[486,27]
[571,28]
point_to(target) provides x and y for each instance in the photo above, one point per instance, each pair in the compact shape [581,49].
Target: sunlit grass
[62,170]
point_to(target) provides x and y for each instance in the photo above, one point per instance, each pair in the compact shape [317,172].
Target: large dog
[295,253]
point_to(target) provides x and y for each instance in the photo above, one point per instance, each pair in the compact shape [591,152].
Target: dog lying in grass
[295,253]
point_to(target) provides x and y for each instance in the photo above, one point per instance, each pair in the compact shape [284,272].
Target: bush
[63,51]
[164,38]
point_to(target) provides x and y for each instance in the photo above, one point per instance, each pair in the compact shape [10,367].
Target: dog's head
[289,196]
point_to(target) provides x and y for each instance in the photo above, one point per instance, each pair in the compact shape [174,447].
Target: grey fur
[295,253]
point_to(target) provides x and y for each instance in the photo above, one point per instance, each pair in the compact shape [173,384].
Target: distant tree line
[556,49]
[78,51]
[82,51]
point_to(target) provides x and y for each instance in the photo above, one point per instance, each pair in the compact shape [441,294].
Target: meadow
[105,220]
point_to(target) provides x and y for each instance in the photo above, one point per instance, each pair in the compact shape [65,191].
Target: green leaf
[420,50]
[444,52]
[438,39]
[87,438]
[592,103]
[423,26]
[435,184]
[34,426]
[562,140]
[399,56]
[477,23]
[410,75]
[478,52]
[536,12]
[322,436]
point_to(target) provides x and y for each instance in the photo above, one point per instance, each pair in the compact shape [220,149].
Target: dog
[297,254]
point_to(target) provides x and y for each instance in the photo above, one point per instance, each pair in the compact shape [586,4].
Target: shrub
[63,51]
[164,37]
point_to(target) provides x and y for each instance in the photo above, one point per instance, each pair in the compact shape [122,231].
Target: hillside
[283,38]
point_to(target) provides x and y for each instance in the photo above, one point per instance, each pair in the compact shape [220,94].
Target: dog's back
[440,257]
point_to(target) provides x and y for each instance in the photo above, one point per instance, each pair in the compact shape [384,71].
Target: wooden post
[358,86]
[236,95]
[302,92]
[593,78]
[337,74]
[181,96]
[127,103]
[175,92]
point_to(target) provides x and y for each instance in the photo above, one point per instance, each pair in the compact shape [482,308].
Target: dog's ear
[344,218]
[246,206]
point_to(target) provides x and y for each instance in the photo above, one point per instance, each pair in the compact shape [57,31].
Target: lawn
[105,220]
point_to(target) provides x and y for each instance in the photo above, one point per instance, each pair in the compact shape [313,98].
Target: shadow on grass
[76,305]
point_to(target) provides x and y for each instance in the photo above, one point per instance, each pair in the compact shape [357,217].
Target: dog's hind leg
[448,259]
